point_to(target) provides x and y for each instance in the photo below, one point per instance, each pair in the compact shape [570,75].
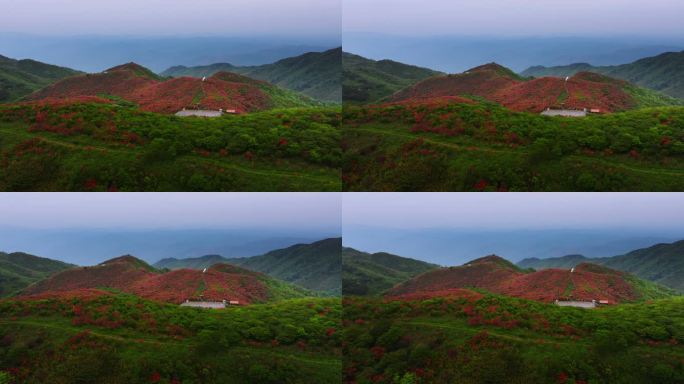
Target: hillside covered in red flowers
[131,275]
[501,85]
[494,274]
[152,93]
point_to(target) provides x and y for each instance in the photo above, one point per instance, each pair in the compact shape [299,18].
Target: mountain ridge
[371,274]
[365,80]
[496,83]
[135,83]
[19,270]
[315,74]
[132,275]
[314,266]
[19,78]
[584,282]
[661,263]
[662,72]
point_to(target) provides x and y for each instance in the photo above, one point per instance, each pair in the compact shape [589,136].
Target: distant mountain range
[365,80]
[660,263]
[663,73]
[584,282]
[19,270]
[19,78]
[314,266]
[501,85]
[457,53]
[372,274]
[315,74]
[132,275]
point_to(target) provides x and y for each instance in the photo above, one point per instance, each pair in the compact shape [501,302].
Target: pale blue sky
[514,210]
[515,17]
[453,228]
[171,17]
[171,210]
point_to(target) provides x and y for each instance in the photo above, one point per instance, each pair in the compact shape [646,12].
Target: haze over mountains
[88,247]
[449,246]
[97,53]
[455,54]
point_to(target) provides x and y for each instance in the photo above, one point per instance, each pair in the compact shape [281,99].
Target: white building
[199,113]
[578,304]
[564,112]
[205,304]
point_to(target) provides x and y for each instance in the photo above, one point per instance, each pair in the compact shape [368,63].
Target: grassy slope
[101,147]
[19,78]
[366,80]
[662,73]
[372,274]
[499,339]
[314,266]
[315,74]
[124,339]
[466,147]
[19,270]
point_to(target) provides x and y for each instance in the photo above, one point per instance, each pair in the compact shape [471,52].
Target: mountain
[372,274]
[19,78]
[495,274]
[315,74]
[191,262]
[663,73]
[661,263]
[365,80]
[19,270]
[314,266]
[501,85]
[153,93]
[568,261]
[132,275]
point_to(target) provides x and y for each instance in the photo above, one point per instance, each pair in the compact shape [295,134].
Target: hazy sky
[514,210]
[453,228]
[171,210]
[515,17]
[171,17]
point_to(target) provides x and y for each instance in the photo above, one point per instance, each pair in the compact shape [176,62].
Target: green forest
[484,338]
[119,338]
[481,146]
[87,146]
